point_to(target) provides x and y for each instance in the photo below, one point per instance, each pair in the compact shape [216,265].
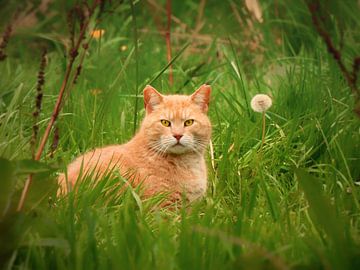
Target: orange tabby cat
[165,156]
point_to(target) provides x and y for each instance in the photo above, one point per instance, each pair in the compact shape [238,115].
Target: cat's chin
[178,149]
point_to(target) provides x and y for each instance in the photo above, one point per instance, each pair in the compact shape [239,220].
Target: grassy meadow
[292,204]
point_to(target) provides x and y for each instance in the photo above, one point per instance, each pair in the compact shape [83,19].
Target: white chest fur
[195,186]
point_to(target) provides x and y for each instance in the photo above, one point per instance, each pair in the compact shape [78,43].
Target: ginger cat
[167,153]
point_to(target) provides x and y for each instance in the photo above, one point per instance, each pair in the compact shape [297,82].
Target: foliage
[294,206]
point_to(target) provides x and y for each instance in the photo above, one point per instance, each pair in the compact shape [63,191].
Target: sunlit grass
[295,205]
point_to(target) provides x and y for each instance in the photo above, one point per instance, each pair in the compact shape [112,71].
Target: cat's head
[177,124]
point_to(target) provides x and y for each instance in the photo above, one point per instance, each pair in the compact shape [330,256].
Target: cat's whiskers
[158,151]
[161,147]
[157,148]
[166,148]
[194,144]
[200,143]
[197,151]
[167,142]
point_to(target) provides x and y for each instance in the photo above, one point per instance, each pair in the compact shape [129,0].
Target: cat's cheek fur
[167,141]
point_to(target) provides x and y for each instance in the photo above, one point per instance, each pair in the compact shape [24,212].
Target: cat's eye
[188,122]
[165,123]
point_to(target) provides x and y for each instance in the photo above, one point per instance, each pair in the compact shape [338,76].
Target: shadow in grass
[329,223]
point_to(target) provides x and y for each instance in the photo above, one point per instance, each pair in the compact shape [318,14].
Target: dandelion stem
[263,131]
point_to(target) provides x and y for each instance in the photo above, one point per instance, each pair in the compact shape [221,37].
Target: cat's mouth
[178,148]
[178,145]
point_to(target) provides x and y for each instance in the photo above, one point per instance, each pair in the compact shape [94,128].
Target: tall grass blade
[324,215]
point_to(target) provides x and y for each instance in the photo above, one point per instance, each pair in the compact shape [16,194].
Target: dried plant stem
[212,156]
[199,38]
[168,42]
[24,193]
[5,39]
[55,142]
[176,20]
[38,102]
[47,131]
[199,22]
[56,111]
[349,75]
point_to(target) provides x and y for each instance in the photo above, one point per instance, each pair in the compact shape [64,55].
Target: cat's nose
[177,137]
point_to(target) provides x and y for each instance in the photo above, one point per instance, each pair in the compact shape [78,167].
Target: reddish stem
[167,36]
[350,76]
[56,111]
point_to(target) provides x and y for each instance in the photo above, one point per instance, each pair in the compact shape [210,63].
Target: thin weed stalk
[5,40]
[57,107]
[350,75]
[38,101]
[136,65]
[168,41]
[241,80]
[168,65]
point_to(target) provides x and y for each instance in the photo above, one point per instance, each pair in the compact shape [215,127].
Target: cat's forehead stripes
[176,101]
[173,115]
[176,108]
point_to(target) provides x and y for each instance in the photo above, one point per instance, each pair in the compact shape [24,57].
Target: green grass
[295,206]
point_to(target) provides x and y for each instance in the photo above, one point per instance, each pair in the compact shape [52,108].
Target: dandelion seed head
[261,103]
[123,48]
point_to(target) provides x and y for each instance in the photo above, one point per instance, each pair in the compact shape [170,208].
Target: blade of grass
[170,63]
[135,33]
[325,216]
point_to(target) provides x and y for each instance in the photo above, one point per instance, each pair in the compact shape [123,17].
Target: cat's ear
[201,97]
[152,98]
